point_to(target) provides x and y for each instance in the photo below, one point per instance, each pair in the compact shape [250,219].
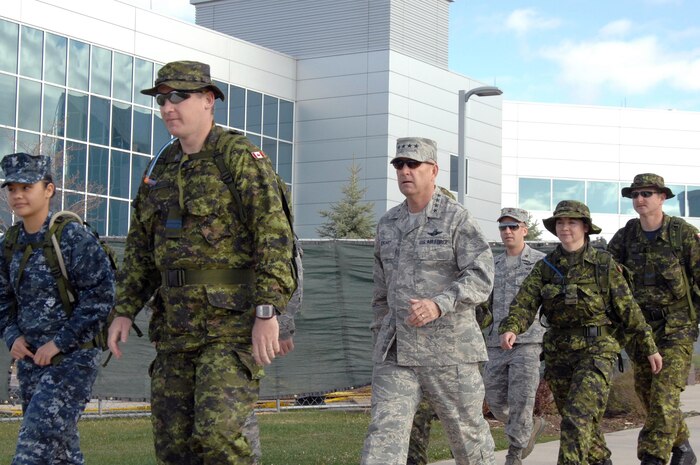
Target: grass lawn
[310,437]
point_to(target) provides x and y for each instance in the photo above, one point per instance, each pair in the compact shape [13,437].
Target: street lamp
[484,91]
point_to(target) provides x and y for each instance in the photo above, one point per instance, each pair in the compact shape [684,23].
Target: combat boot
[651,460]
[538,425]
[683,455]
[514,456]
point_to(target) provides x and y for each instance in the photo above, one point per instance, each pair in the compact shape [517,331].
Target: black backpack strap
[227,178]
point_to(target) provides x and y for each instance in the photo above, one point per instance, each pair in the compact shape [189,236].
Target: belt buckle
[176,278]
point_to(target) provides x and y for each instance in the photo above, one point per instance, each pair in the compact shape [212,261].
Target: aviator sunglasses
[645,194]
[412,164]
[175,96]
[511,226]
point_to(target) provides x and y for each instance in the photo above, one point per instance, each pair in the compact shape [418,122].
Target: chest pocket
[672,277]
[210,217]
[435,252]
[591,301]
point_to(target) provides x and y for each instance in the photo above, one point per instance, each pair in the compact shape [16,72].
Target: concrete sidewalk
[623,444]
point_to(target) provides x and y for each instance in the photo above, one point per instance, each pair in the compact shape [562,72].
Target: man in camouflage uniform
[663,253]
[584,297]
[432,267]
[218,257]
[57,356]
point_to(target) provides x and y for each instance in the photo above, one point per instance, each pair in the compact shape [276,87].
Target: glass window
[54,110]
[28,142]
[29,105]
[121,125]
[53,147]
[534,194]
[100,71]
[143,79]
[138,170]
[99,120]
[254,112]
[693,199]
[119,174]
[270,116]
[284,162]
[568,190]
[221,108]
[454,173]
[602,197]
[79,65]
[160,135]
[77,115]
[31,52]
[123,71]
[118,217]
[270,148]
[626,207]
[286,129]
[7,142]
[74,202]
[98,165]
[75,166]
[9,45]
[96,213]
[55,59]
[673,206]
[254,139]
[8,99]
[141,141]
[237,107]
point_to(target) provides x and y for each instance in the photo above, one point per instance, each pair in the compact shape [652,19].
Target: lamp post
[484,91]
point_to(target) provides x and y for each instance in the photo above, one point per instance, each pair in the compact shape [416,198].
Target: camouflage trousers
[53,398]
[660,394]
[420,434]
[511,378]
[456,393]
[200,401]
[580,382]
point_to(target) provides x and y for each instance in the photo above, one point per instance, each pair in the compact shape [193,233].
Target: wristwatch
[265,312]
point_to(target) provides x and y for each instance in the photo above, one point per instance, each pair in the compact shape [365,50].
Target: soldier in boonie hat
[571,209]
[184,75]
[25,168]
[647,180]
[416,148]
[516,213]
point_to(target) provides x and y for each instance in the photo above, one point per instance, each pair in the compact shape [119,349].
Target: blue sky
[635,53]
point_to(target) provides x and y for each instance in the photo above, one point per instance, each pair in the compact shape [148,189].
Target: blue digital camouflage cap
[416,148]
[185,75]
[25,168]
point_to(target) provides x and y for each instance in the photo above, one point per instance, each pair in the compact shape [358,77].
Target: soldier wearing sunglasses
[663,253]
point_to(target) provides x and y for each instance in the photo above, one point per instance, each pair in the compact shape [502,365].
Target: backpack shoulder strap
[602,270]
[675,234]
[54,256]
[10,243]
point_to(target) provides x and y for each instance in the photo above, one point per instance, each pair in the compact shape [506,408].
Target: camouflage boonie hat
[25,168]
[647,180]
[516,213]
[571,209]
[416,148]
[184,75]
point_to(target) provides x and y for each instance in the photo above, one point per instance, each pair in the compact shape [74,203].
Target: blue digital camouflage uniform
[443,257]
[579,346]
[660,290]
[53,397]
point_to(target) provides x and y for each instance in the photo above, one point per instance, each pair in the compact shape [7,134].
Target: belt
[181,277]
[585,331]
[655,314]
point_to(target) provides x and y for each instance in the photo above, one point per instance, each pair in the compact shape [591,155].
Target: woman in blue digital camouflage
[585,299]
[52,338]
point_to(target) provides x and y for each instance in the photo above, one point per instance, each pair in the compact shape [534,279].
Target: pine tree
[349,218]
[533,231]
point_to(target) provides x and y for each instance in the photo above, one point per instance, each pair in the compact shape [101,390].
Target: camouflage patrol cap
[515,213]
[25,168]
[416,148]
[571,209]
[184,75]
[647,180]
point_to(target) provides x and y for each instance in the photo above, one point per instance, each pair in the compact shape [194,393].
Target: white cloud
[617,28]
[525,20]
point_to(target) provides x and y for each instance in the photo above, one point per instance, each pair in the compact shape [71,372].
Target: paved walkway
[623,444]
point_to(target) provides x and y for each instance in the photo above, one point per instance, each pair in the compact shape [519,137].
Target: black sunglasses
[175,96]
[412,164]
[511,226]
[645,194]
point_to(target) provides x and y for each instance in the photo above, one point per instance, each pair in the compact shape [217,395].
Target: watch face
[265,311]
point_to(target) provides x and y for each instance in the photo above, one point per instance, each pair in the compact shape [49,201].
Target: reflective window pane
[270,149]
[568,190]
[143,79]
[284,162]
[160,135]
[118,217]
[255,139]
[139,164]
[7,142]
[29,105]
[96,213]
[28,142]
[56,59]
[693,199]
[98,163]
[534,194]
[270,116]
[99,120]
[123,71]
[74,202]
[31,52]
[76,166]
[602,197]
[77,115]
[100,71]
[141,141]
[237,108]
[9,45]
[8,99]
[121,125]
[221,108]
[79,65]
[54,118]
[286,129]
[254,112]
[673,206]
[626,207]
[119,174]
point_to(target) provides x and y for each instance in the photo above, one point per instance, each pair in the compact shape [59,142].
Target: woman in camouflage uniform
[585,299]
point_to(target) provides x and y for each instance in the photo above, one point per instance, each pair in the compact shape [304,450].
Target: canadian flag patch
[257,155]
